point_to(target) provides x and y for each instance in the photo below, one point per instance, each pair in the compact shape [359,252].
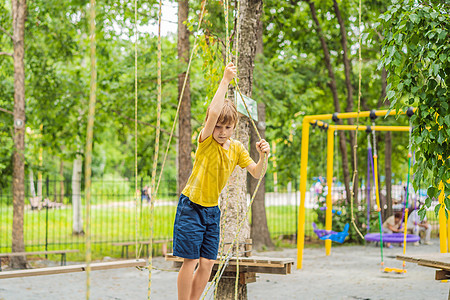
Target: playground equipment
[409,113]
[307,121]
[324,234]
[391,237]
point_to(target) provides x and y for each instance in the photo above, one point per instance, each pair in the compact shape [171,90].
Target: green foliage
[416,52]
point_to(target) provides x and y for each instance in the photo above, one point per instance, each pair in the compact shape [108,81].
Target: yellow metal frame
[307,120]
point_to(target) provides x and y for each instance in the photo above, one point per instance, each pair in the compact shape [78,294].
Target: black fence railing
[53,219]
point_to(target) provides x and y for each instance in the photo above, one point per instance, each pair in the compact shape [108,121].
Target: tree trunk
[388,171]
[19,10]
[349,86]
[333,87]
[77,217]
[250,13]
[259,230]
[184,123]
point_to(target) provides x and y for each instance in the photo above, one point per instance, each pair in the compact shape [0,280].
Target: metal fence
[116,215]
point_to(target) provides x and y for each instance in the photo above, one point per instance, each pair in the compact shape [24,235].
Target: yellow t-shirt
[213,166]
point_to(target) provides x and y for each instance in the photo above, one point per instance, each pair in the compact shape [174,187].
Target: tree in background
[19,13]
[184,123]
[416,55]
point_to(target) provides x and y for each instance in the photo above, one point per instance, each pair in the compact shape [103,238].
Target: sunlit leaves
[420,73]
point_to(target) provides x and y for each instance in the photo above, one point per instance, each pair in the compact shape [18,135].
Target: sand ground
[350,272]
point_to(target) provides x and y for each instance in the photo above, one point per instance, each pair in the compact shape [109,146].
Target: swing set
[308,121]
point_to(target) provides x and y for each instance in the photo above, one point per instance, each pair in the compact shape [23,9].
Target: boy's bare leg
[185,278]
[201,277]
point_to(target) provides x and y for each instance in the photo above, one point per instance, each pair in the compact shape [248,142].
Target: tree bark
[184,119]
[333,87]
[349,87]
[19,10]
[259,230]
[250,13]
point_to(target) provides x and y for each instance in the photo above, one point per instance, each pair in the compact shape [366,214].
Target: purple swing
[386,237]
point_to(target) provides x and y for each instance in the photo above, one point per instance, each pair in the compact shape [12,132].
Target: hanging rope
[89,138]
[136,195]
[355,147]
[155,157]
[377,192]
[407,191]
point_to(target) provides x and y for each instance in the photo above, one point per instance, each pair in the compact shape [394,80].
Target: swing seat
[394,270]
[337,236]
[321,232]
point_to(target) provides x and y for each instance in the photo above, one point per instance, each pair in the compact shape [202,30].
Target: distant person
[145,194]
[416,225]
[392,225]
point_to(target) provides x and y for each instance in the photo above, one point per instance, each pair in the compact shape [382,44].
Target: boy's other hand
[229,73]
[263,147]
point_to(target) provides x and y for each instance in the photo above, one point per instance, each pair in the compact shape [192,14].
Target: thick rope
[377,192]
[355,147]
[136,229]
[155,157]
[89,138]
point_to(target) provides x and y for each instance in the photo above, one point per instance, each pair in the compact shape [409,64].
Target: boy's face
[222,132]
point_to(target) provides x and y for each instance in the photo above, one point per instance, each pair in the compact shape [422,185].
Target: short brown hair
[228,115]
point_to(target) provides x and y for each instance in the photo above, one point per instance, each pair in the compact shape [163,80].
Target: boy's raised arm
[217,102]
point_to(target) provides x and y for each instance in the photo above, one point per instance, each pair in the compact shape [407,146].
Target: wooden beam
[267,265]
[438,260]
[74,268]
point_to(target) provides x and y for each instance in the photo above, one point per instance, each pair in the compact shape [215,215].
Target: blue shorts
[196,232]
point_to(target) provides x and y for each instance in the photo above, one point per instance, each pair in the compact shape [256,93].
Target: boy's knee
[190,263]
[206,263]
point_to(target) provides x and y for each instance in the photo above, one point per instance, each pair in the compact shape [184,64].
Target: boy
[197,222]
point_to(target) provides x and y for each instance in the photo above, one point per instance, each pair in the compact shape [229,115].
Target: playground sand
[350,272]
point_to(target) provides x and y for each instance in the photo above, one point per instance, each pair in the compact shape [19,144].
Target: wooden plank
[437,260]
[247,261]
[38,252]
[73,268]
[247,266]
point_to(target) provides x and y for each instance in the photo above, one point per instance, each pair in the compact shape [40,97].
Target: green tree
[416,54]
